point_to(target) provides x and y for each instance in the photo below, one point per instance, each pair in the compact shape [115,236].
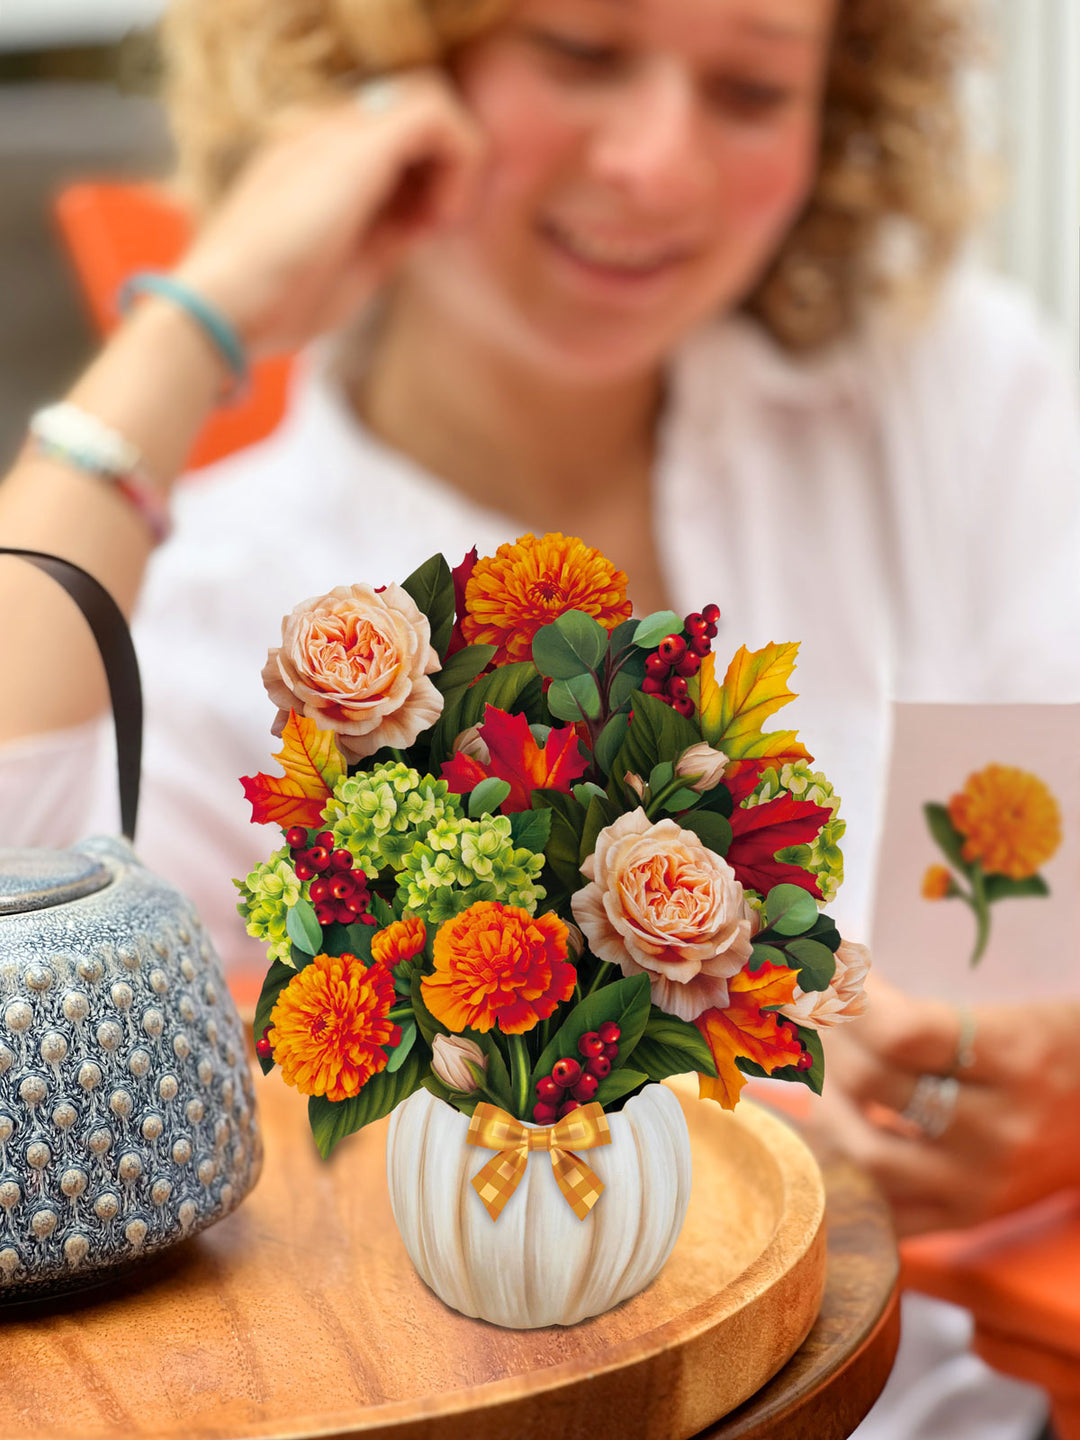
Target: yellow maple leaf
[313,764]
[744,1029]
[754,687]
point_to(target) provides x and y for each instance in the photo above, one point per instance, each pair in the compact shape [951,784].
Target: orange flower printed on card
[330,1027]
[400,941]
[743,1029]
[497,965]
[525,586]
[937,882]
[1010,822]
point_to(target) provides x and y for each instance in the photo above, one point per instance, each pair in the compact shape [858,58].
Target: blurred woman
[671,275]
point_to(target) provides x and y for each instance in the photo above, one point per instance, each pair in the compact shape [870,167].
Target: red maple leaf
[744,1030]
[312,763]
[760,831]
[518,759]
[460,575]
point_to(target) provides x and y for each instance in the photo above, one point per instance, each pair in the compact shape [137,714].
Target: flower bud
[705,762]
[575,942]
[470,742]
[635,783]
[451,1056]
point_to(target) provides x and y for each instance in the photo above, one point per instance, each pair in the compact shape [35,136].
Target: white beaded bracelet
[75,437]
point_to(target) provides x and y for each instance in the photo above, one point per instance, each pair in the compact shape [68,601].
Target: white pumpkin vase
[538,1264]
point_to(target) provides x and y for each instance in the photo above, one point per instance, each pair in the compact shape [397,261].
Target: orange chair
[111,229]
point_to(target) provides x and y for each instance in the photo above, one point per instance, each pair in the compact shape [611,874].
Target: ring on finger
[932,1105]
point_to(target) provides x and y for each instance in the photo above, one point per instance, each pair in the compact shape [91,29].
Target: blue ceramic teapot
[127,1110]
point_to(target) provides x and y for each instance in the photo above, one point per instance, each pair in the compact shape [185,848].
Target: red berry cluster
[263,1049]
[337,891]
[669,668]
[573,1083]
[786,1031]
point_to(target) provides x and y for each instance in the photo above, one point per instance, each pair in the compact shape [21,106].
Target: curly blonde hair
[894,177]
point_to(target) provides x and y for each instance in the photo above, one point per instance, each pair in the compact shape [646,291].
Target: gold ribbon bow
[493,1129]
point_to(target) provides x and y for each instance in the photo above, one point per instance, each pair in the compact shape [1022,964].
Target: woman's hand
[1015,1134]
[326,209]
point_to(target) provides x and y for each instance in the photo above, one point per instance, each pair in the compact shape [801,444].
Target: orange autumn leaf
[313,764]
[754,687]
[744,1030]
[519,760]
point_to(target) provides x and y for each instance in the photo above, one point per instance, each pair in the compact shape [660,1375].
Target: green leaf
[574,698]
[432,587]
[601,813]
[683,799]
[710,828]
[486,798]
[332,1120]
[622,637]
[465,1103]
[352,939]
[531,829]
[790,910]
[661,775]
[400,1052]
[1001,887]
[762,954]
[656,733]
[564,843]
[572,645]
[586,793]
[502,688]
[461,669]
[610,742]
[429,1027]
[619,1083]
[656,627]
[497,1082]
[277,977]
[814,1078]
[626,1002]
[824,930]
[945,833]
[671,1046]
[382,910]
[302,928]
[816,963]
[623,688]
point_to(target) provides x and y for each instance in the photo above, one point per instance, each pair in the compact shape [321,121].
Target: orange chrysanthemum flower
[936,882]
[330,1023]
[522,587]
[401,940]
[498,965]
[1009,820]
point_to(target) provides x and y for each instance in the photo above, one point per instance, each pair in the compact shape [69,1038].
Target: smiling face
[647,158]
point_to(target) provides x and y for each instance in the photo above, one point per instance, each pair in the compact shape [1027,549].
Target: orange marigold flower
[936,882]
[330,1023]
[1010,821]
[498,965]
[401,940]
[525,586]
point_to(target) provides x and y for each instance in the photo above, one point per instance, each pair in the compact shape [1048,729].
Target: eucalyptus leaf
[622,637]
[571,699]
[573,644]
[766,954]
[586,793]
[816,963]
[656,627]
[486,797]
[790,910]
[623,688]
[302,928]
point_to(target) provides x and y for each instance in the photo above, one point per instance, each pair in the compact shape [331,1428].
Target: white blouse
[907,506]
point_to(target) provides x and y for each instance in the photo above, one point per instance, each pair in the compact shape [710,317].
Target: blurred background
[76,87]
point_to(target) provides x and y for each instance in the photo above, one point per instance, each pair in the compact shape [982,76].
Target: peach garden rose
[661,901]
[357,661]
[845,999]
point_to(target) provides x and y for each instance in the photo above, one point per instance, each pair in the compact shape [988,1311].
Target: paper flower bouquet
[537,858]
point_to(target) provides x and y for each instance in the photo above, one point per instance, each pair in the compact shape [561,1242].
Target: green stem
[520,1071]
[598,979]
[401,1012]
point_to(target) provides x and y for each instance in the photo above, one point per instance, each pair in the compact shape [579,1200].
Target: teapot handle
[114,643]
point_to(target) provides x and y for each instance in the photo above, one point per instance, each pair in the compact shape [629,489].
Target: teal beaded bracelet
[220,332]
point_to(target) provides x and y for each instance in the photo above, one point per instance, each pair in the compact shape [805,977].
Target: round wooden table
[300,1316]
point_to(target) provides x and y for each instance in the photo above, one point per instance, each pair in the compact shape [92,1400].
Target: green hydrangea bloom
[461,862]
[378,815]
[269,892]
[824,858]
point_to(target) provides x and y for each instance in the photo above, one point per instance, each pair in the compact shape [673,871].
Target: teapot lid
[39,879]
